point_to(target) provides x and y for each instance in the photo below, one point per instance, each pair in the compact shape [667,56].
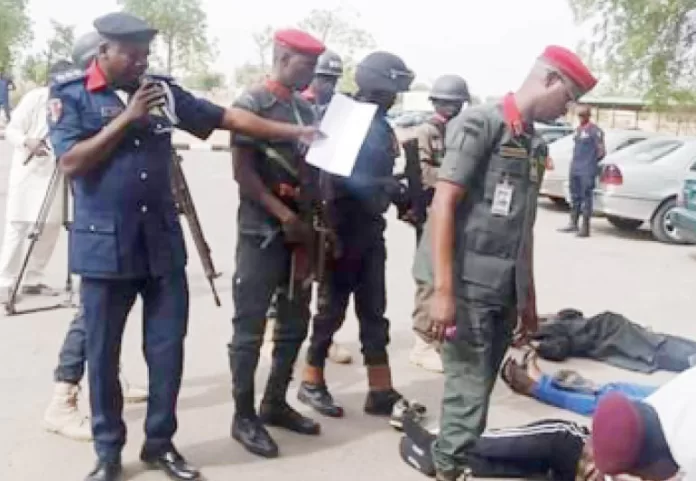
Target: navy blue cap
[124,27]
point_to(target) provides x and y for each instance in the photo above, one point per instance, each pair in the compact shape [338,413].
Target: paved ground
[651,283]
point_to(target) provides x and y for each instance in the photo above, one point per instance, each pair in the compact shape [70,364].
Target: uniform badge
[55,109]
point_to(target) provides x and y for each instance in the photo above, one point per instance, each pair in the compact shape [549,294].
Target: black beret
[124,27]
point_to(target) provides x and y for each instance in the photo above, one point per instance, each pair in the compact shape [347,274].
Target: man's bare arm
[240,120]
[250,184]
[442,212]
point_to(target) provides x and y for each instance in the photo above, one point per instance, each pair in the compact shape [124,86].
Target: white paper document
[345,124]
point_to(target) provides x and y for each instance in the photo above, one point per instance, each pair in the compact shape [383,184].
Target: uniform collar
[278,89]
[96,80]
[512,115]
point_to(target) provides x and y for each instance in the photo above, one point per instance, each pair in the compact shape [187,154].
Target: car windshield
[646,152]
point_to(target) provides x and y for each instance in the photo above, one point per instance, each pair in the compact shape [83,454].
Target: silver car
[555,183]
[640,184]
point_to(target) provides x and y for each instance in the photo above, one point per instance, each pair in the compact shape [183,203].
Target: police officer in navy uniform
[359,206]
[111,132]
[272,233]
[588,150]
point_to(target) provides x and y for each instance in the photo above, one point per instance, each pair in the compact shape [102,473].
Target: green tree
[15,30]
[182,26]
[339,29]
[205,81]
[642,46]
[59,47]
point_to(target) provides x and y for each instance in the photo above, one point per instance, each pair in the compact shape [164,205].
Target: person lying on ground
[612,338]
[565,389]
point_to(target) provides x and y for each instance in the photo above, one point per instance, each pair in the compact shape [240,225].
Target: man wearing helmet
[360,202]
[477,247]
[448,95]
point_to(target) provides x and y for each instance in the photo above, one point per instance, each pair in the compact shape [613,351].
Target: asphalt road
[651,283]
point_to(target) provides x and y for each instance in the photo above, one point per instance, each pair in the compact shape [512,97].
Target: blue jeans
[584,403]
[72,357]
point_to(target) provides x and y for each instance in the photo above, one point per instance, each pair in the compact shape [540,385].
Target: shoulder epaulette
[68,77]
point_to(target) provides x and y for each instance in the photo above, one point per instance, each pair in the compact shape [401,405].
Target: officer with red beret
[651,439]
[272,236]
[476,251]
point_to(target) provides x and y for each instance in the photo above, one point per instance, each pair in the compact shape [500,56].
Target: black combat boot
[573,224]
[280,414]
[275,411]
[318,397]
[251,433]
[585,227]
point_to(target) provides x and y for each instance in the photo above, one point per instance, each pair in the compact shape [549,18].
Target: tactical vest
[438,144]
[276,162]
[493,249]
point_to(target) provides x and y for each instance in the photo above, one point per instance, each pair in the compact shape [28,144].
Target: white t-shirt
[675,404]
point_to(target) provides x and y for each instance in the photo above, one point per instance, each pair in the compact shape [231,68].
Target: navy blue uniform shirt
[586,152]
[125,222]
[361,199]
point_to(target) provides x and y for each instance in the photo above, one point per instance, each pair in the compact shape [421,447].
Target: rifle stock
[186,207]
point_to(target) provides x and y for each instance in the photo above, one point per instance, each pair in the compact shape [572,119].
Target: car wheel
[624,224]
[661,225]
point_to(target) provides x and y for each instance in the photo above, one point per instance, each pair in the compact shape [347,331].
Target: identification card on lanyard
[502,198]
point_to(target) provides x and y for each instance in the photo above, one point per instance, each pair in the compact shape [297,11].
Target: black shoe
[281,415]
[171,462]
[106,471]
[381,403]
[251,434]
[318,397]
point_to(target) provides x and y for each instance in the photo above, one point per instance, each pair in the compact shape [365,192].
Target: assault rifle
[414,205]
[185,207]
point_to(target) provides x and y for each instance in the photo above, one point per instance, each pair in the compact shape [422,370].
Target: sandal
[506,371]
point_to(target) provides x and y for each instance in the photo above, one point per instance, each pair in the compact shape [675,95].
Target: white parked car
[555,183]
[640,184]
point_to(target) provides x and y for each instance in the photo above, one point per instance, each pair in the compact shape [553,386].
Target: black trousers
[359,272]
[263,271]
[549,446]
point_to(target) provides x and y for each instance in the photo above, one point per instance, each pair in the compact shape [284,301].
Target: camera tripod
[34,236]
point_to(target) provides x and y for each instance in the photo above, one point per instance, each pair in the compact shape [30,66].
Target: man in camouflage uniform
[477,247]
[448,95]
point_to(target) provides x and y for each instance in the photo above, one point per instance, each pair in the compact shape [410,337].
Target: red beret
[617,434]
[570,65]
[299,41]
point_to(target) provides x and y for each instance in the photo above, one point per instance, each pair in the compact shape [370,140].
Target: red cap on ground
[570,65]
[617,434]
[299,41]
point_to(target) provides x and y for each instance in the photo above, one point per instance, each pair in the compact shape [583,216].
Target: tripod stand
[34,235]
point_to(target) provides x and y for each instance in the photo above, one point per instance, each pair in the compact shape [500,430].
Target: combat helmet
[450,88]
[383,72]
[330,64]
[85,49]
